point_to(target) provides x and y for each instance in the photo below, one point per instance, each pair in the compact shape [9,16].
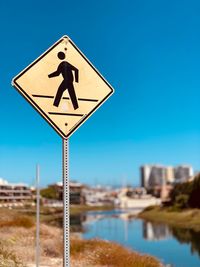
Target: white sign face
[63,86]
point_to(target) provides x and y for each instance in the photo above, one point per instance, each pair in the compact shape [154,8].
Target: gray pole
[37,216]
[66,216]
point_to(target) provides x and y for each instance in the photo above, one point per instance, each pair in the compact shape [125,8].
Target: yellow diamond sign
[63,86]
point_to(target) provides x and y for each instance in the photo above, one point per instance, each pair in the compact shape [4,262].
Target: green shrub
[150,208]
[173,208]
[186,195]
[181,201]
[194,199]
[49,193]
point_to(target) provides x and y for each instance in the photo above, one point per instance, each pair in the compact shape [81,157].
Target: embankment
[187,218]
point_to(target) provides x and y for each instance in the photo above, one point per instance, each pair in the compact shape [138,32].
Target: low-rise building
[136,198]
[99,196]
[10,192]
[76,192]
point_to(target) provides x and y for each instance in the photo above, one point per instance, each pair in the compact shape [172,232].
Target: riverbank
[186,219]
[17,235]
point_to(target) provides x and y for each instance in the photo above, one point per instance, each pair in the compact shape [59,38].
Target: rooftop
[5,182]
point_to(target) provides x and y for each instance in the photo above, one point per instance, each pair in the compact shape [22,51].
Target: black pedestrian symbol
[65,68]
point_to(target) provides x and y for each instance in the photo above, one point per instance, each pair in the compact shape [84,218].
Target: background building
[145,174]
[170,177]
[14,192]
[76,192]
[183,172]
[152,175]
[157,175]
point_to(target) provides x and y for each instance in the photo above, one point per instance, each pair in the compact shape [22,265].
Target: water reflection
[76,222]
[188,236]
[155,232]
[159,240]
[150,231]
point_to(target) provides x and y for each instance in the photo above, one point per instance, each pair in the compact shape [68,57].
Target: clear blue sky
[148,50]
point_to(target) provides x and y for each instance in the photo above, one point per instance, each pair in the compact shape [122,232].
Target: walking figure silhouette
[65,68]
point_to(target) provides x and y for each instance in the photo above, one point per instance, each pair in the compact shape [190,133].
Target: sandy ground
[21,242]
[17,249]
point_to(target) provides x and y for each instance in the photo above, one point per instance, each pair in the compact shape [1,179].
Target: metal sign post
[37,216]
[66,203]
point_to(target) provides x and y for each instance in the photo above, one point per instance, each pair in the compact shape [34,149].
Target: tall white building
[152,175]
[145,173]
[183,172]
[170,177]
[158,175]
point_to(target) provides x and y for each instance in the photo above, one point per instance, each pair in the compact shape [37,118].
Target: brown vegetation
[84,253]
[17,221]
[17,247]
[103,253]
[8,258]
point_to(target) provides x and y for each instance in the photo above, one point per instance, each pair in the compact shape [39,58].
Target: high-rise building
[158,175]
[183,172]
[152,175]
[170,177]
[145,174]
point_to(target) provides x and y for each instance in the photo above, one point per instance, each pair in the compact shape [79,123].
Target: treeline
[186,195]
[49,192]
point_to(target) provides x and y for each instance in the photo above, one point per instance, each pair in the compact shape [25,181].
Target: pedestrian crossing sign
[63,86]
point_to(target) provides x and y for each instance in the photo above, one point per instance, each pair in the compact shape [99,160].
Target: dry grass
[102,253]
[21,242]
[52,245]
[8,258]
[14,218]
[16,221]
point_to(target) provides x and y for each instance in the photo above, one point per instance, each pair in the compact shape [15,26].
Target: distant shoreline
[187,218]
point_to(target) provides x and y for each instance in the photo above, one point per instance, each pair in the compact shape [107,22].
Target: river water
[174,247]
